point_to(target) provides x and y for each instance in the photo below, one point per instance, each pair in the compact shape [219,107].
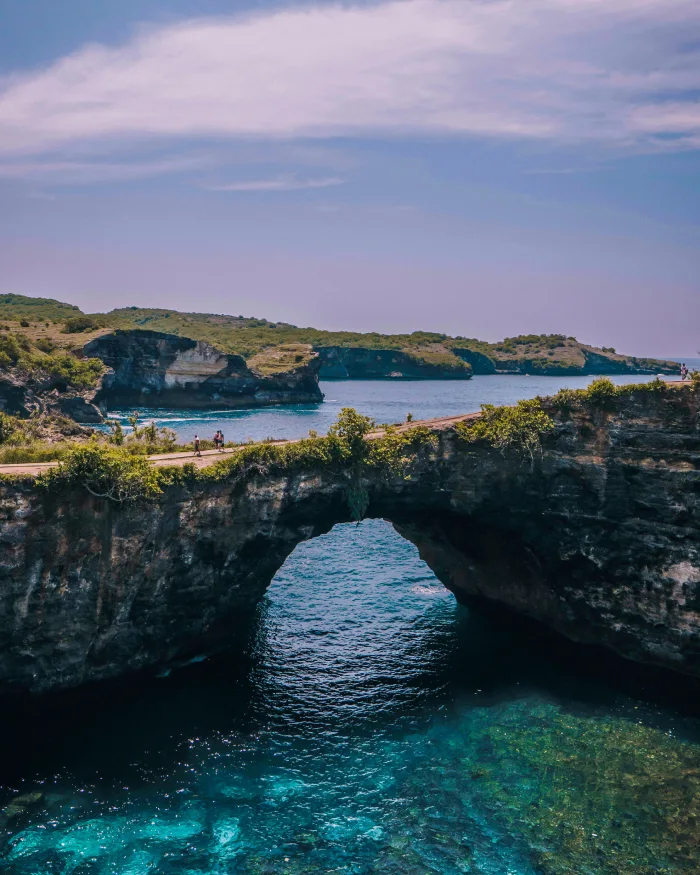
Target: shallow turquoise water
[350,730]
[362,722]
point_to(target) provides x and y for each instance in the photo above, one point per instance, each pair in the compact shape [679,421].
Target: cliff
[154,369]
[574,360]
[598,538]
[344,354]
[361,363]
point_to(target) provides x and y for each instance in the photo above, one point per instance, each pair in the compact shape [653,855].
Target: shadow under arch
[594,538]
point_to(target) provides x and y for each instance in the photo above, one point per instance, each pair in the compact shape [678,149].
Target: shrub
[80,373]
[14,347]
[518,428]
[8,426]
[79,324]
[45,344]
[24,323]
[31,452]
[601,391]
[105,472]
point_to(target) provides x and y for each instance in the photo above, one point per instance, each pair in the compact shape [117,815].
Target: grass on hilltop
[270,347]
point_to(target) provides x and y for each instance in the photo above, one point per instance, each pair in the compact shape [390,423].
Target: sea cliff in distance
[161,357]
[268,346]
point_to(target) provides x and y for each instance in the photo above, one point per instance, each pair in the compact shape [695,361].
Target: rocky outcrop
[153,369]
[588,362]
[24,396]
[362,363]
[459,363]
[480,364]
[598,364]
[599,539]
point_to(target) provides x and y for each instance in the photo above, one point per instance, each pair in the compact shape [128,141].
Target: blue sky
[479,167]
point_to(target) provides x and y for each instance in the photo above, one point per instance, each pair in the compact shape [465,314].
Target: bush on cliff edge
[519,428]
[105,472]
[118,474]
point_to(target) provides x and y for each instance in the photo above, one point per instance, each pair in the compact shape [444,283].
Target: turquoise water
[362,722]
[384,401]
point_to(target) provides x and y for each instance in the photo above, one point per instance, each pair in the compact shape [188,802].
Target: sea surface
[362,722]
[385,401]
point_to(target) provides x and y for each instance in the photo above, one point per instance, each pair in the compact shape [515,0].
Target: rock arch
[599,538]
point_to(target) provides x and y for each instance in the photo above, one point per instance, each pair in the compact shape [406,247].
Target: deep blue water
[362,722]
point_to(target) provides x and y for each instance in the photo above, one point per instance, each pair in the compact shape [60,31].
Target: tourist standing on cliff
[197,451]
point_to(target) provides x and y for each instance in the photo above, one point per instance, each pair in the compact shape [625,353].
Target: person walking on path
[221,441]
[684,371]
[216,441]
[197,451]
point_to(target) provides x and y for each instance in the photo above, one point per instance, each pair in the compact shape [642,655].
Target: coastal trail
[210,457]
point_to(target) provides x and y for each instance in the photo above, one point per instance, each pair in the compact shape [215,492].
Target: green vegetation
[37,439]
[603,393]
[517,429]
[272,347]
[35,360]
[116,468]
[18,307]
[81,324]
[279,359]
[106,472]
[78,373]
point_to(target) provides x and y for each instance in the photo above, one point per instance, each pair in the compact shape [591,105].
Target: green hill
[17,307]
[273,346]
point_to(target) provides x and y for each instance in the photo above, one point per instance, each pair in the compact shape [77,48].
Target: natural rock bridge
[598,538]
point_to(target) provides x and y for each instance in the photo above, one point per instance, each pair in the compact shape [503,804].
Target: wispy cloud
[625,73]
[280,184]
[62,172]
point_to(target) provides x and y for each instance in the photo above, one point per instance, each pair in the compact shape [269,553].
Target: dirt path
[210,457]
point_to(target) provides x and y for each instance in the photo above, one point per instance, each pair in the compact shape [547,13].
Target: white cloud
[558,70]
[64,172]
[282,183]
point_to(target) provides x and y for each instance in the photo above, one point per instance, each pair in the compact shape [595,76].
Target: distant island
[158,357]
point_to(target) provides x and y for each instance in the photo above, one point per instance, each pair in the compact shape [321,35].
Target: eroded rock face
[25,396]
[153,369]
[361,363]
[599,539]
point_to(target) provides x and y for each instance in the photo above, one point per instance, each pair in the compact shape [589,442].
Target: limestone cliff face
[599,539]
[362,363]
[153,369]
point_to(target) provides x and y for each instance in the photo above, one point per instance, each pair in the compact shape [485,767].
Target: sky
[482,168]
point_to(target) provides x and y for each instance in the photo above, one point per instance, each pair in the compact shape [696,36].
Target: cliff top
[272,347]
[505,427]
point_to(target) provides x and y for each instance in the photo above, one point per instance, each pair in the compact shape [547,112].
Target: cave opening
[361,710]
